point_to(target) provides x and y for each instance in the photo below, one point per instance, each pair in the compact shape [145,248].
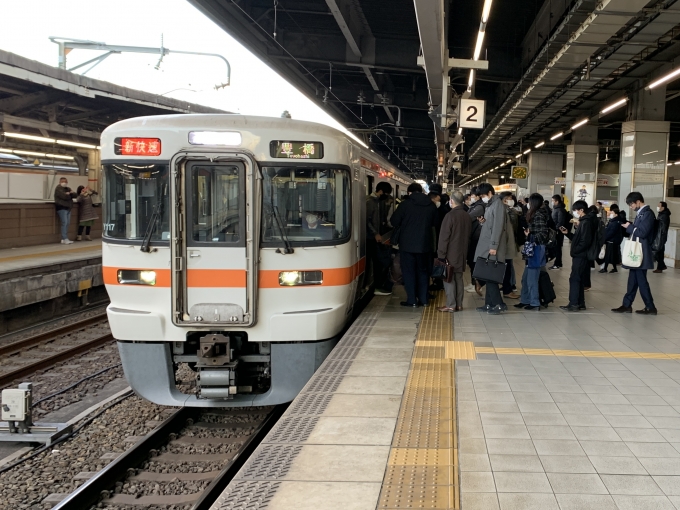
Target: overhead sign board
[561,181]
[471,113]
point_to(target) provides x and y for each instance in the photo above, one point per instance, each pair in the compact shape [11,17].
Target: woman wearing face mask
[613,237]
[537,231]
[513,247]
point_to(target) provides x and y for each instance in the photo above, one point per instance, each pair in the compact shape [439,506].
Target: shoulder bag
[442,270]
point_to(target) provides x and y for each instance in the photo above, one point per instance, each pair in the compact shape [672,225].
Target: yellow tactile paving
[573,353]
[422,470]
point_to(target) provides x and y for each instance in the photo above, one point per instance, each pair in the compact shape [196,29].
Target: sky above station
[255,88]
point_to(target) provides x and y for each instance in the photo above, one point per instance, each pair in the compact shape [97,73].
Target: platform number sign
[471,113]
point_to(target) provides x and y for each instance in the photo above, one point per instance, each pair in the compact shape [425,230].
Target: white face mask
[658,209]
[64,184]
[510,203]
[612,216]
[485,200]
[472,200]
[438,204]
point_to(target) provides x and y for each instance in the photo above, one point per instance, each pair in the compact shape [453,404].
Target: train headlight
[136,277]
[294,278]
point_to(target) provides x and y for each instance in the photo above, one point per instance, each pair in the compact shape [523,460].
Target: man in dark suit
[643,230]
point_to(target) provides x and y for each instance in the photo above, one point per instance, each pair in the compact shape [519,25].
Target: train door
[213,274]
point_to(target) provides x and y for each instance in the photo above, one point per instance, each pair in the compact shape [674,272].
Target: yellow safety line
[572,353]
[425,439]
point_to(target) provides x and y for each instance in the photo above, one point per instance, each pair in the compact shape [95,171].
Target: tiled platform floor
[17,259]
[587,429]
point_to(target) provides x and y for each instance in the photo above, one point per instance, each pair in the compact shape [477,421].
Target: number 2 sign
[471,113]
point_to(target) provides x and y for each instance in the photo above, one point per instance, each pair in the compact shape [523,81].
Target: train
[234,245]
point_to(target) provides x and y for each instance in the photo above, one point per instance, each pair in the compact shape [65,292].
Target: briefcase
[489,270]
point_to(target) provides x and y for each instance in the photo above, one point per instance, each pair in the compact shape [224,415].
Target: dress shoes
[529,307]
[520,305]
[570,308]
[404,303]
[646,311]
[623,309]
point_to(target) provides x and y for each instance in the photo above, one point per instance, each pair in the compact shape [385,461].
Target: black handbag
[442,271]
[489,270]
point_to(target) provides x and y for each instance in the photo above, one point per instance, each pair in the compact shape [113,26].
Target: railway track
[234,433]
[41,351]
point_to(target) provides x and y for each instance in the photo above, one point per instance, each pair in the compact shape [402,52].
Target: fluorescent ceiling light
[555,137]
[539,145]
[471,79]
[508,162]
[478,46]
[59,156]
[486,11]
[580,123]
[30,153]
[5,150]
[460,131]
[648,153]
[527,151]
[664,79]
[615,105]
[518,156]
[76,144]
[30,137]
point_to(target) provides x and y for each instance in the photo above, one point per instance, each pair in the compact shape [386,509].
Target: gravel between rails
[25,486]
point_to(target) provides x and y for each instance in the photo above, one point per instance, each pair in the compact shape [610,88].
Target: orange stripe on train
[236,278]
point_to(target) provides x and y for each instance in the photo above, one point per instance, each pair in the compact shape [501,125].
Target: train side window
[369,184]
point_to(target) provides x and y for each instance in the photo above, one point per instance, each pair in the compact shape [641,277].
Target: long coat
[494,235]
[454,237]
[416,219]
[643,229]
[86,210]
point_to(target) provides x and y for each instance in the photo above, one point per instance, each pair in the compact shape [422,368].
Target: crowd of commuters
[462,231]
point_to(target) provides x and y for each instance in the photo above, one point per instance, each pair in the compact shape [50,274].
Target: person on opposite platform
[415,220]
[641,229]
[63,202]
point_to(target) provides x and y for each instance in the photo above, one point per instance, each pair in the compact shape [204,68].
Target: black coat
[664,223]
[585,236]
[416,219]
[561,217]
[614,232]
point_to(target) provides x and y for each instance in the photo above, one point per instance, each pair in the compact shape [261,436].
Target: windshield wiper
[287,248]
[151,228]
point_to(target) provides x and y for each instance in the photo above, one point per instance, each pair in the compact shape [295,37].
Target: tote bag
[537,259]
[631,252]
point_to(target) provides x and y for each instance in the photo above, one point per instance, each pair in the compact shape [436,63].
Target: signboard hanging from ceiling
[471,113]
[519,172]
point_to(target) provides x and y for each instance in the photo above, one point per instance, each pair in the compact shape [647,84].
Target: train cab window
[305,205]
[135,198]
[215,203]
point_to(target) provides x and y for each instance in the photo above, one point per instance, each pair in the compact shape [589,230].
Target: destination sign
[296,150]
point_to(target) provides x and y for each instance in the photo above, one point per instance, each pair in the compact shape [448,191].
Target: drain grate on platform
[296,429]
[310,404]
[270,462]
[246,495]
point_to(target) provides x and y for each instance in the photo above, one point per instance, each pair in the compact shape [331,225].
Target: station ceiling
[550,62]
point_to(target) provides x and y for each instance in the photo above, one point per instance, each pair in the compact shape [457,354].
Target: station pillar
[582,162]
[543,169]
[94,169]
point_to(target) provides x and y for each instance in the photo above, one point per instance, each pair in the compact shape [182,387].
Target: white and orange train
[234,244]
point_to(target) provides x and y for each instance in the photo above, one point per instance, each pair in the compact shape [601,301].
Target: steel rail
[7,377]
[22,345]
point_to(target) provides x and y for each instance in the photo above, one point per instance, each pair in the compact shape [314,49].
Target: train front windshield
[305,205]
[135,199]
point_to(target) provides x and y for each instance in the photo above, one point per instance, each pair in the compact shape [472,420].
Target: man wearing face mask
[477,208]
[584,248]
[63,202]
[493,243]
[642,229]
[561,218]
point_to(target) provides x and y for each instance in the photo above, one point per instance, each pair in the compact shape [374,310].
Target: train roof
[291,127]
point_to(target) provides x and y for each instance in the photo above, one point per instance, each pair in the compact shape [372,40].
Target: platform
[523,411]
[34,274]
